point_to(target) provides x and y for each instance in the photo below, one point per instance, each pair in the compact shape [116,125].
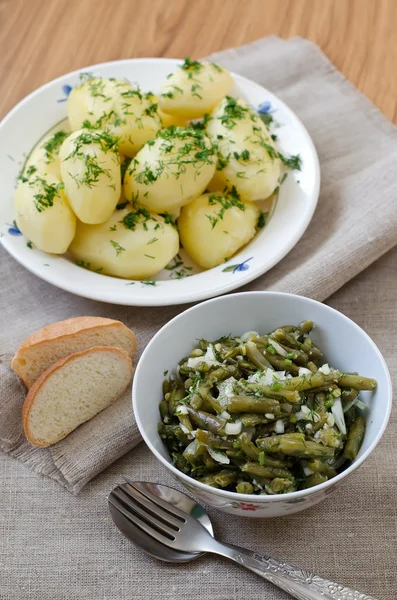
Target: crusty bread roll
[72,391]
[53,342]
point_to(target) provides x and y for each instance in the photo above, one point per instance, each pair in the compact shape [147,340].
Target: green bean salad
[262,414]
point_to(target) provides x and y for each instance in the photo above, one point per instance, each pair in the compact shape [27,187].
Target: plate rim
[187,296]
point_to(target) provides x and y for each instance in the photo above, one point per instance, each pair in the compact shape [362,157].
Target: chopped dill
[93,169]
[119,249]
[45,197]
[83,264]
[216,67]
[124,166]
[52,145]
[31,170]
[121,205]
[192,65]
[267,118]
[292,162]
[132,93]
[261,220]
[132,219]
[169,219]
[178,269]
[174,89]
[233,111]
[224,201]
[194,91]
[244,155]
[179,147]
[151,110]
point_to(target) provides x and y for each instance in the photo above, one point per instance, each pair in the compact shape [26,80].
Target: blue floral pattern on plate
[13,230]
[265,108]
[66,89]
[243,266]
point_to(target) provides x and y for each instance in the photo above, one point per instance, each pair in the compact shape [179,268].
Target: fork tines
[148,512]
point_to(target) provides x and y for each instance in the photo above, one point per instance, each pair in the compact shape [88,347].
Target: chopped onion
[219,456]
[247,334]
[361,405]
[325,369]
[330,420]
[266,377]
[337,411]
[279,349]
[279,426]
[304,371]
[350,404]
[209,358]
[224,415]
[233,428]
[181,409]
[307,471]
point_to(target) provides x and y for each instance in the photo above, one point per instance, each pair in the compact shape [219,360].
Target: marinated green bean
[320,466]
[248,447]
[281,486]
[313,480]
[205,420]
[256,357]
[238,404]
[257,470]
[271,392]
[244,487]
[294,444]
[211,440]
[355,439]
[221,479]
[261,414]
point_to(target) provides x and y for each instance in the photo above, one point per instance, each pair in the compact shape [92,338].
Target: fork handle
[300,584]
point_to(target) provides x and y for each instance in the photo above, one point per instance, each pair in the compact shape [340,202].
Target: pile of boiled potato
[132,176]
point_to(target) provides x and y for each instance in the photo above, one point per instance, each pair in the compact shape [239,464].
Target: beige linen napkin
[354,224]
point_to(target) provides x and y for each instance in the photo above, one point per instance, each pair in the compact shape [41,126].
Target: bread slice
[72,391]
[45,347]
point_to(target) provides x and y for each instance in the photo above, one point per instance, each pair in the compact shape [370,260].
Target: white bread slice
[43,348]
[72,391]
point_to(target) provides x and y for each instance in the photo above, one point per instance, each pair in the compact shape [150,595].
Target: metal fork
[165,523]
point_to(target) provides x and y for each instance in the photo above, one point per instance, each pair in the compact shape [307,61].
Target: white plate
[40,111]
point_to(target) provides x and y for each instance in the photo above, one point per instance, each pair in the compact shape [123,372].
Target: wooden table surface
[42,39]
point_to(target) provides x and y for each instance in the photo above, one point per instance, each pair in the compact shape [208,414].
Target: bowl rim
[178,296]
[227,495]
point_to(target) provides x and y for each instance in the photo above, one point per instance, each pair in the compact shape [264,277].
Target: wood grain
[42,39]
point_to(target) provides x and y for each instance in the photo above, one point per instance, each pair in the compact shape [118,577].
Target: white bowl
[34,116]
[345,345]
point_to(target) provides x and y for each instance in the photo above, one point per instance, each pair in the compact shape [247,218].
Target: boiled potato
[133,244]
[43,213]
[194,89]
[118,107]
[44,159]
[214,226]
[90,169]
[171,170]
[167,120]
[248,158]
